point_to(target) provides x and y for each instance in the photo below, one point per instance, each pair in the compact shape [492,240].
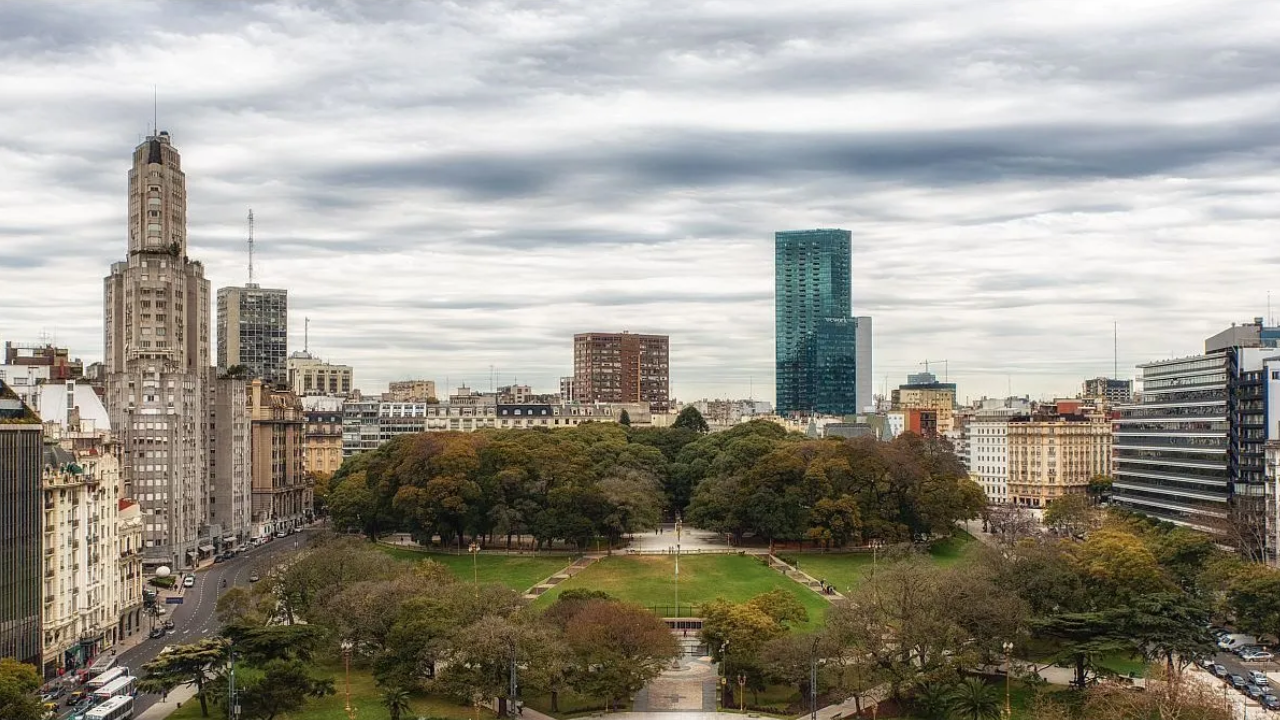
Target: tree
[1012,523]
[1099,487]
[480,656]
[1071,515]
[1254,598]
[974,699]
[259,644]
[618,648]
[689,418]
[396,701]
[282,688]
[197,664]
[1117,566]
[352,504]
[624,418]
[18,685]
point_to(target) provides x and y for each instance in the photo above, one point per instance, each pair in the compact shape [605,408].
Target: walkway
[804,579]
[574,568]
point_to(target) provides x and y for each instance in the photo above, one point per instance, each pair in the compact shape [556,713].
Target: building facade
[322,443]
[410,391]
[156,350]
[818,344]
[1108,390]
[622,368]
[309,375]
[253,331]
[230,479]
[21,523]
[923,392]
[59,361]
[1056,452]
[282,490]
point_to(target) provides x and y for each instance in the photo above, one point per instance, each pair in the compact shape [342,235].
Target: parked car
[1257,656]
[1237,681]
[168,625]
[156,632]
[189,581]
[254,577]
[1254,691]
[54,693]
[1270,702]
[1207,663]
[282,534]
[1219,670]
[219,559]
[1257,677]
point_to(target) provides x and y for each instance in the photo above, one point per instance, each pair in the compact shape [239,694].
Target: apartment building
[283,493]
[410,391]
[229,460]
[1056,451]
[988,447]
[309,375]
[922,391]
[21,524]
[322,442]
[253,331]
[622,367]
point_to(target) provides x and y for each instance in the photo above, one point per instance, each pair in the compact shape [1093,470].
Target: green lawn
[949,551]
[364,697]
[518,572]
[848,570]
[649,580]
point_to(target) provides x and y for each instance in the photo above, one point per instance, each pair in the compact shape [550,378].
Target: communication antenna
[306,332]
[1115,345]
[250,246]
[155,110]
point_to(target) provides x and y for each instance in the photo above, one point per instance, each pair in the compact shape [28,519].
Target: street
[194,618]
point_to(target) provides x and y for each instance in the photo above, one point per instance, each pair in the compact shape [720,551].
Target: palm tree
[932,701]
[974,699]
[396,701]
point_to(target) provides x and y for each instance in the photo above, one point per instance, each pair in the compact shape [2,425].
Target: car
[1258,656]
[1270,702]
[1219,670]
[282,534]
[54,693]
[189,581]
[254,577]
[168,625]
[156,632]
[76,696]
[1207,663]
[1257,677]
[219,559]
[1236,681]
[1254,691]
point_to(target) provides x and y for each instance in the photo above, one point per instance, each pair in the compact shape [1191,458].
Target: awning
[206,548]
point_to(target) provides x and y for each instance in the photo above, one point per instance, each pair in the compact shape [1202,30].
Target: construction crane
[945,368]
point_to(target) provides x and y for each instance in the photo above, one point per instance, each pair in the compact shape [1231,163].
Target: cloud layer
[449,187]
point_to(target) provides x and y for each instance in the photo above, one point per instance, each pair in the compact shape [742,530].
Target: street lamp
[742,693]
[347,646]
[474,549]
[723,681]
[813,680]
[678,526]
[1008,674]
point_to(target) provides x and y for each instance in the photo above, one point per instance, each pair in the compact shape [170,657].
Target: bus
[127,685]
[101,665]
[109,676]
[117,708]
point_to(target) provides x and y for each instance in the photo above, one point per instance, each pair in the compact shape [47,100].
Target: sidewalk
[165,708]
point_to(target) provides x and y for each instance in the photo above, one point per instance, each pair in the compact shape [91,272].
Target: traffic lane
[195,618]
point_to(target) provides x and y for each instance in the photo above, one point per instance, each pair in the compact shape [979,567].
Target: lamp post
[1008,674]
[723,673]
[813,680]
[742,693]
[474,549]
[347,646]
[678,526]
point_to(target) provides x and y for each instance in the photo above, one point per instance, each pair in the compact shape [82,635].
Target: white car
[189,581]
[1259,656]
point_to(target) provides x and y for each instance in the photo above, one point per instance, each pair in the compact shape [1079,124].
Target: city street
[194,617]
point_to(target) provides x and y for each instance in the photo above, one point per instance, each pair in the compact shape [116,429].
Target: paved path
[691,540]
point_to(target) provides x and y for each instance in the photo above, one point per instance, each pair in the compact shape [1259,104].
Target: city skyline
[1009,195]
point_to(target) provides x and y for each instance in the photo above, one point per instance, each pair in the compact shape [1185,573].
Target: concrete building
[93,574]
[322,442]
[567,386]
[253,331]
[24,379]
[282,490]
[622,368]
[1108,390]
[410,391]
[988,447]
[229,453]
[156,350]
[21,522]
[309,375]
[1056,451]
[822,352]
[731,412]
[921,421]
[58,360]
[922,391]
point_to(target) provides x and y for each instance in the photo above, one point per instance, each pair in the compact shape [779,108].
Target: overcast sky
[445,187]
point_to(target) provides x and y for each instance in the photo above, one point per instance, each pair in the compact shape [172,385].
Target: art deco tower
[157,359]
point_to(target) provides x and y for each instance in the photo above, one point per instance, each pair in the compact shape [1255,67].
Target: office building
[309,375]
[819,344]
[1193,450]
[1056,451]
[59,361]
[253,332]
[410,391]
[156,350]
[1108,390]
[622,368]
[282,490]
[21,522]
[922,391]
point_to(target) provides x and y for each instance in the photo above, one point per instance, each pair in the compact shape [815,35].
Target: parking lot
[1245,706]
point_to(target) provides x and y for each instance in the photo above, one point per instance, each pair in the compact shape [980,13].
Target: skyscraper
[157,359]
[823,353]
[253,330]
[21,456]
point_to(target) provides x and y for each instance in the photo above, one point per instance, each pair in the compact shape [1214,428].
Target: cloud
[448,186]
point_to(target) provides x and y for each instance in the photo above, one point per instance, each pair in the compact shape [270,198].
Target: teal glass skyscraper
[819,344]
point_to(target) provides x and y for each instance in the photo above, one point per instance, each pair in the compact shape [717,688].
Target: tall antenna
[155,110]
[306,333]
[250,246]
[1115,347]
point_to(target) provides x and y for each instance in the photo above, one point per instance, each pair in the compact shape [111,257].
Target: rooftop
[12,410]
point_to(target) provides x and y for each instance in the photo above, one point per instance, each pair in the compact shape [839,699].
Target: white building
[309,375]
[988,445]
[23,379]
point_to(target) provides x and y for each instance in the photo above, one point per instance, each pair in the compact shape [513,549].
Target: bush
[164,582]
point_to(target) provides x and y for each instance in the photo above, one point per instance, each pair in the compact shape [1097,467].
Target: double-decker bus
[119,707]
[126,685]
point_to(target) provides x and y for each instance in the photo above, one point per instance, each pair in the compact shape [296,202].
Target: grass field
[649,580]
[518,572]
[848,570]
[364,697]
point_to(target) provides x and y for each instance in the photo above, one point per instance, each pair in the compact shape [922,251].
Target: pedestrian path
[574,568]
[805,579]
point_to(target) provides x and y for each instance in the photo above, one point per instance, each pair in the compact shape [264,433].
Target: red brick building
[622,368]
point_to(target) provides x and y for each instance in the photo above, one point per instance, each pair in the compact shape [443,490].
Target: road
[1243,706]
[194,618]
